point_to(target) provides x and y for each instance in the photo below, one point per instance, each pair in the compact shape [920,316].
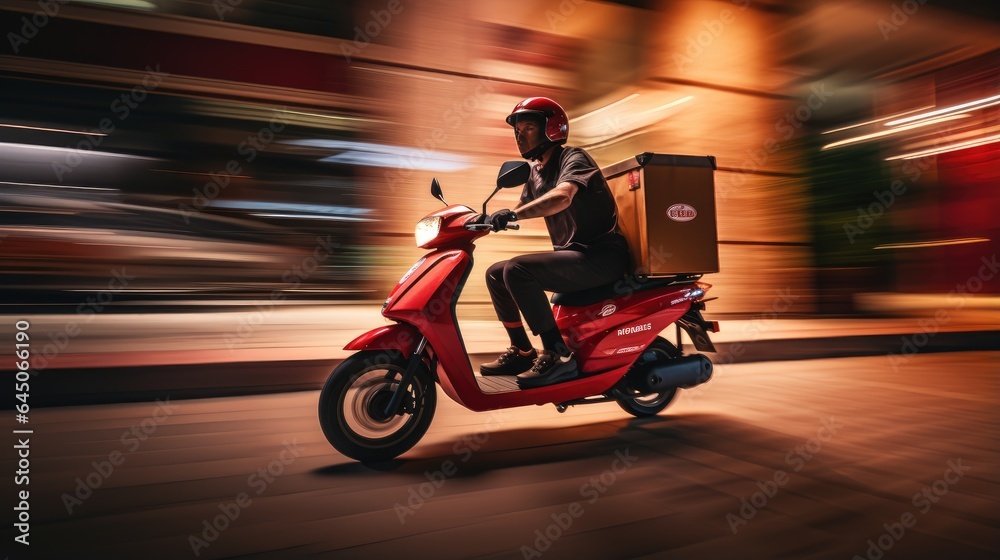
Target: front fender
[400,336]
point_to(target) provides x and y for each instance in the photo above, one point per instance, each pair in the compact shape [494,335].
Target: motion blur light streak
[298,209]
[605,108]
[57,186]
[346,145]
[15,148]
[137,4]
[403,74]
[314,217]
[935,142]
[417,160]
[615,139]
[669,105]
[977,104]
[85,133]
[948,148]
[334,117]
[382,155]
[884,133]
[627,123]
[148,291]
[941,243]
[873,121]
[199,173]
[134,246]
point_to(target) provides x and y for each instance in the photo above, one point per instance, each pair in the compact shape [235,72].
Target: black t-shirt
[592,215]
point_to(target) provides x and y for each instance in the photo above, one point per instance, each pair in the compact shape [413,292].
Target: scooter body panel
[426,301]
[400,336]
[611,334]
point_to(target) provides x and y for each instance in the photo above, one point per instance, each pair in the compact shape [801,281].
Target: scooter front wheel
[354,398]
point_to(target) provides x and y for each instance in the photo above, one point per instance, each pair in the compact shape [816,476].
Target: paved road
[822,459]
[199,349]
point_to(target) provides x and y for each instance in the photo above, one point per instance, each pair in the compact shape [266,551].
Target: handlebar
[474,227]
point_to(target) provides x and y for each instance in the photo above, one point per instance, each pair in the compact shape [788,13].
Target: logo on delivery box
[682,213]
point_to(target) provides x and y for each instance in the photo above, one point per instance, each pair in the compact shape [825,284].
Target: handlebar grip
[510,225]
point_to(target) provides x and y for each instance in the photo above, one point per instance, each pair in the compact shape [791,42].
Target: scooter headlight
[427,230]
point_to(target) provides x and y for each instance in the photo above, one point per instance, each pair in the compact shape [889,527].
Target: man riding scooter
[566,188]
[379,402]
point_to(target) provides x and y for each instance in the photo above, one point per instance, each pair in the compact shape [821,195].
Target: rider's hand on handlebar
[501,218]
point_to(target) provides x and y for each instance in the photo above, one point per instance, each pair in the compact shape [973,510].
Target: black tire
[356,390]
[650,404]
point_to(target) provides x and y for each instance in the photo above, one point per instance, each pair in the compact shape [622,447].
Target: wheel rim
[652,400]
[364,399]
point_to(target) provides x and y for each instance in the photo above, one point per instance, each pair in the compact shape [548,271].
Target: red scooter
[379,402]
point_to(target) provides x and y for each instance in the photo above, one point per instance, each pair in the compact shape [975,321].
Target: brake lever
[480,226]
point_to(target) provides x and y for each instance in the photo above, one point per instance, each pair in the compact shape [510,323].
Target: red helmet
[554,120]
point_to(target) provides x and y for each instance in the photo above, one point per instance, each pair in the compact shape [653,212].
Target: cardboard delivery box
[666,210]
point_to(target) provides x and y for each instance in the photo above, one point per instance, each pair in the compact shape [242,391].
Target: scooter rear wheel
[650,404]
[353,400]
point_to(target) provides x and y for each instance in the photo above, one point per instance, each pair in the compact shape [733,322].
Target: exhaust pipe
[685,372]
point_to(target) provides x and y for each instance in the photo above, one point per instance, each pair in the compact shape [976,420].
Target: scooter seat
[631,284]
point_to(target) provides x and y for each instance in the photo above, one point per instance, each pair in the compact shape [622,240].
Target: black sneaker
[511,362]
[549,368]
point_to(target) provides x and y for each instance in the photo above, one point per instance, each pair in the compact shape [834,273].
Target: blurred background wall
[216,142]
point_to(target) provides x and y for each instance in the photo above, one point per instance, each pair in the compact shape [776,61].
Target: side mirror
[436,190]
[513,174]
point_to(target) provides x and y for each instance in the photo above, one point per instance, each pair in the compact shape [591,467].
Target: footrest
[498,383]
